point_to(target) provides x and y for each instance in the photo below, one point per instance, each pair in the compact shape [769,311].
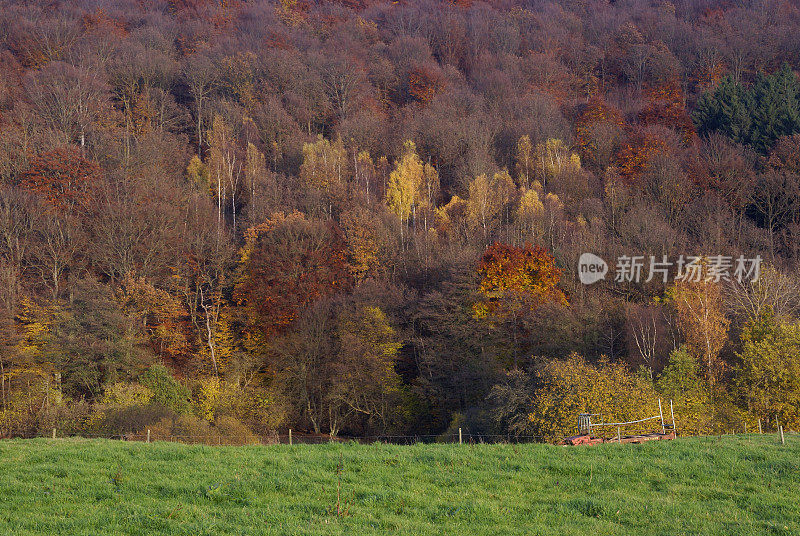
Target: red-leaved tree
[288,264]
[62,177]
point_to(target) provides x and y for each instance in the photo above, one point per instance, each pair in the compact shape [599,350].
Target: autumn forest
[363,218]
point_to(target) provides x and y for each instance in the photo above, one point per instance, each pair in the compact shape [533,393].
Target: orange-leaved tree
[635,155]
[63,177]
[424,83]
[666,106]
[162,316]
[515,282]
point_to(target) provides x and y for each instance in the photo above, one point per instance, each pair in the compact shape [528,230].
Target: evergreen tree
[757,116]
[726,110]
[775,110]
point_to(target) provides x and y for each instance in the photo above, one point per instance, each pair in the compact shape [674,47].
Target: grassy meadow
[730,485]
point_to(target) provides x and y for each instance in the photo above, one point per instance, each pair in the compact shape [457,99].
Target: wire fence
[294,438]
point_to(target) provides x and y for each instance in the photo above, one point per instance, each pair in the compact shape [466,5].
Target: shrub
[108,421]
[67,417]
[33,404]
[234,432]
[476,425]
[682,383]
[183,428]
[191,429]
[166,390]
[256,407]
[768,376]
[262,410]
[728,418]
[510,403]
[565,388]
[124,394]
[213,397]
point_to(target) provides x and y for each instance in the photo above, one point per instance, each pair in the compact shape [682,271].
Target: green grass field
[730,485]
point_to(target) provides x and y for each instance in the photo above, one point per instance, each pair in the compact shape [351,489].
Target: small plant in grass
[116,479]
[340,508]
[174,511]
[215,491]
[400,508]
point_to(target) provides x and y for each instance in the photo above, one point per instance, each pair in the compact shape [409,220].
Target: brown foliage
[101,23]
[665,106]
[635,155]
[291,264]
[424,83]
[596,131]
[63,177]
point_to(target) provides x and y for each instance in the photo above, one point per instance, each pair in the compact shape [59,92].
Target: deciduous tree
[288,264]
[701,317]
[411,185]
[63,178]
[768,376]
[489,202]
[514,283]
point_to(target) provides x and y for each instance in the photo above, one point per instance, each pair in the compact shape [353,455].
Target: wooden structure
[586,427]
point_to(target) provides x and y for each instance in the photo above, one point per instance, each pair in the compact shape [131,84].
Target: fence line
[295,438]
[450,438]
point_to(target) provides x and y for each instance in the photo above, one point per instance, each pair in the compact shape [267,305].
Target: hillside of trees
[364,218]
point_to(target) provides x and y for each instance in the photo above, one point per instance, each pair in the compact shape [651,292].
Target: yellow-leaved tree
[701,317]
[255,176]
[524,157]
[225,166]
[366,242]
[365,381]
[682,383]
[451,219]
[412,185]
[768,376]
[528,215]
[325,166]
[553,158]
[197,173]
[215,355]
[29,380]
[489,200]
[160,315]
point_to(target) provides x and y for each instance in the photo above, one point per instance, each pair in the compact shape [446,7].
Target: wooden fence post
[619,435]
[783,442]
[759,426]
[54,433]
[459,436]
[290,436]
[661,414]
[148,435]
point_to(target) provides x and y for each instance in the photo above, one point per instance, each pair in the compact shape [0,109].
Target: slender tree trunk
[199,124]
[210,334]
